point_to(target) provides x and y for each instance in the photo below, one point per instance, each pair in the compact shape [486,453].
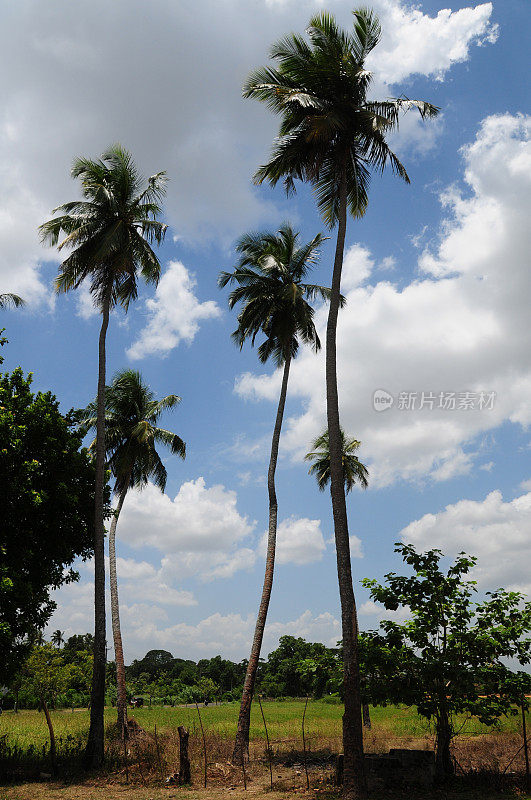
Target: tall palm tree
[131,433]
[58,638]
[9,299]
[269,285]
[332,136]
[108,233]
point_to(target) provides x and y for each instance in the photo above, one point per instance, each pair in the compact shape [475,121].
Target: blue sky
[436,276]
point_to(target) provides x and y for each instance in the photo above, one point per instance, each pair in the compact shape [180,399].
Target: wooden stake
[267,740]
[304,745]
[158,754]
[204,741]
[526,751]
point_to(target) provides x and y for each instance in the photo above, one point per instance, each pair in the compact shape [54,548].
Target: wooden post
[267,740]
[304,745]
[204,741]
[158,753]
[184,762]
[526,751]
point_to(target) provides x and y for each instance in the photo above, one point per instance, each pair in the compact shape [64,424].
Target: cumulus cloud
[498,532]
[199,531]
[299,541]
[173,315]
[229,634]
[413,42]
[461,327]
[86,75]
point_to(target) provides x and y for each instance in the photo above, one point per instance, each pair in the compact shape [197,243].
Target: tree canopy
[46,518]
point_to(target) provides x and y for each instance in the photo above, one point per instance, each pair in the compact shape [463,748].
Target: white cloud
[463,328]
[299,541]
[173,315]
[199,531]
[497,532]
[229,634]
[85,75]
[414,42]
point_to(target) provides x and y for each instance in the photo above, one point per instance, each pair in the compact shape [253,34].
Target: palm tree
[131,433]
[269,284]
[332,136]
[57,638]
[108,234]
[354,472]
[9,299]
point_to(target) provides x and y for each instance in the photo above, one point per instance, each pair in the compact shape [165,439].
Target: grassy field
[323,722]
[482,751]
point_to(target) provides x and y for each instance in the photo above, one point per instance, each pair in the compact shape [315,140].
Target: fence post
[185,775]
[204,741]
[304,745]
[267,740]
[526,751]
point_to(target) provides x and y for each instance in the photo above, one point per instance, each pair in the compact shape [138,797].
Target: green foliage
[270,286]
[328,127]
[131,433]
[298,668]
[449,657]
[354,472]
[46,514]
[109,232]
[45,673]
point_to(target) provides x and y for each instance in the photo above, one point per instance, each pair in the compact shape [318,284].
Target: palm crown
[109,231]
[9,299]
[131,433]
[327,123]
[354,472]
[269,279]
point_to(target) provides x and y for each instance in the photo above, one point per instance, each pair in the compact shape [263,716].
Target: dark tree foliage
[46,511]
[297,668]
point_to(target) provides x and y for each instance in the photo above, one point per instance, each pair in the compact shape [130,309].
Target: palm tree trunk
[241,744]
[121,694]
[354,782]
[94,751]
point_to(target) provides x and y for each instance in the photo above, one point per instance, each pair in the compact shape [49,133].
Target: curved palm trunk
[354,783]
[121,693]
[94,750]
[241,744]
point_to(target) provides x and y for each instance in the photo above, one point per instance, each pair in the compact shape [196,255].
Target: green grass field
[323,721]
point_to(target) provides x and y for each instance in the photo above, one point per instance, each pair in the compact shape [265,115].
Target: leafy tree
[449,657]
[332,136]
[131,436]
[269,283]
[45,514]
[154,662]
[296,668]
[47,676]
[108,234]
